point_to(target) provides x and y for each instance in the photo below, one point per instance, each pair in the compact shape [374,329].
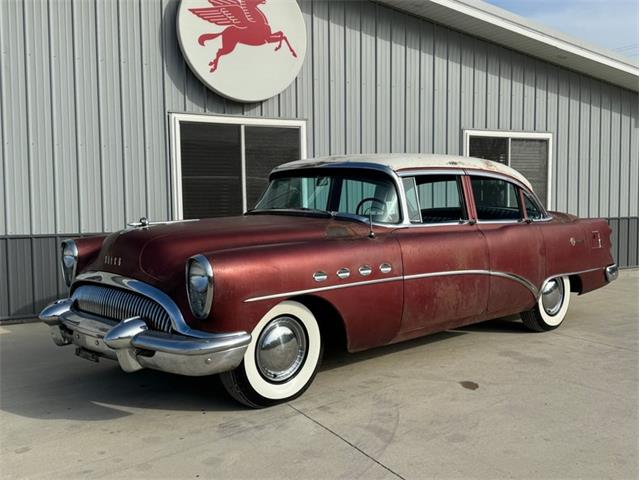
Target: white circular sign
[245,50]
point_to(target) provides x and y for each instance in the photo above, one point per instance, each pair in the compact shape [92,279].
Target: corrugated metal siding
[85,89]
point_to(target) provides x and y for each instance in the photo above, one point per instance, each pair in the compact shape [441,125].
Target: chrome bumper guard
[611,272]
[135,347]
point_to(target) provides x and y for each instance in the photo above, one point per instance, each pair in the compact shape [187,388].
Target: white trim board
[176,160]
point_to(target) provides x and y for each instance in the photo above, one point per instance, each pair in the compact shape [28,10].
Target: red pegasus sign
[245,23]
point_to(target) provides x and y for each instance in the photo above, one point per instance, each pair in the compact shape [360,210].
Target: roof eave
[494,24]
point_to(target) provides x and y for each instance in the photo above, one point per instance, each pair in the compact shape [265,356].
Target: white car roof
[409,161]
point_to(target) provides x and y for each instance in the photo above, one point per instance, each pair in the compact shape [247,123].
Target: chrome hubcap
[281,349]
[552,296]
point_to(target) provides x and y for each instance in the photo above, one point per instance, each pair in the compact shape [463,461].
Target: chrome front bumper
[135,347]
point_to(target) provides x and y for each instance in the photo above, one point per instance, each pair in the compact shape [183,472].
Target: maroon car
[378,249]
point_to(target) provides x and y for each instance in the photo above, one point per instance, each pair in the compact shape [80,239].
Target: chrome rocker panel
[134,347]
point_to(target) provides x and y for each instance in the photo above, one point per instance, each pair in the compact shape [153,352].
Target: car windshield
[334,194]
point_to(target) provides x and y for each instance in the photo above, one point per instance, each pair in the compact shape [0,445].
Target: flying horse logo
[245,23]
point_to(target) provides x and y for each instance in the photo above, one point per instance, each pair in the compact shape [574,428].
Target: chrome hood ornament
[144,222]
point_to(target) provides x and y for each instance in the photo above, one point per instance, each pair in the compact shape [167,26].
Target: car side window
[533,208]
[413,204]
[440,198]
[496,199]
[362,197]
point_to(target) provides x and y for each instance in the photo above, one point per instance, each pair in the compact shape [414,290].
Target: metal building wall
[85,88]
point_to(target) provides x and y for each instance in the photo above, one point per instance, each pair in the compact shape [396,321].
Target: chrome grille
[120,304]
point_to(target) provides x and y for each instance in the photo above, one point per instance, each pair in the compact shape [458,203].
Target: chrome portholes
[365,270]
[281,349]
[553,296]
[385,268]
[320,276]
[343,273]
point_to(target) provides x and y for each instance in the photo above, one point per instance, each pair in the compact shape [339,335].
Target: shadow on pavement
[66,387]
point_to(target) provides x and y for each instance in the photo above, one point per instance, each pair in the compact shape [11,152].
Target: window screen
[495,199]
[490,148]
[211,160]
[211,170]
[529,157]
[265,149]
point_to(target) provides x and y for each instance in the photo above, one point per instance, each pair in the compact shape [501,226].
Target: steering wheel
[372,200]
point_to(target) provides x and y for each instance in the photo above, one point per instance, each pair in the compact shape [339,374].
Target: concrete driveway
[489,401]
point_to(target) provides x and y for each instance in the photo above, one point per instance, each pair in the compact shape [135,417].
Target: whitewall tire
[551,307]
[281,360]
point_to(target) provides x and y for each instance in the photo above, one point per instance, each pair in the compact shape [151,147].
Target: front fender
[250,281]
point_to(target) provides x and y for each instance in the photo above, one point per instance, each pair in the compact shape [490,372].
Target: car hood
[158,253]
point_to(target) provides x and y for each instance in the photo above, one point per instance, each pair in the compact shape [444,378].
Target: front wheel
[551,307]
[281,360]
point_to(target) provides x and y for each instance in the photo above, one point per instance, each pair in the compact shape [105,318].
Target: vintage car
[375,248]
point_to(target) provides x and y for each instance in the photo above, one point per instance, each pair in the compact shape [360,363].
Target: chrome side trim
[568,274]
[114,280]
[535,291]
[321,289]
[511,276]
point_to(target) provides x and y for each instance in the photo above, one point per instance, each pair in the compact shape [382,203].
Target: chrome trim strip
[579,272]
[321,289]
[535,291]
[434,171]
[511,276]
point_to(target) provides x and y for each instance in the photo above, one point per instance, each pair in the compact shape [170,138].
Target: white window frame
[176,160]
[510,134]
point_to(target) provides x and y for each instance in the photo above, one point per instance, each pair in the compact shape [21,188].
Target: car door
[515,244]
[443,254]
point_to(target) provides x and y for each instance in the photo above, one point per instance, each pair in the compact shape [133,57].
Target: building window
[220,165]
[527,152]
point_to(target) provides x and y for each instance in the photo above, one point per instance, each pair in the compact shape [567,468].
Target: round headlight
[199,285]
[69,261]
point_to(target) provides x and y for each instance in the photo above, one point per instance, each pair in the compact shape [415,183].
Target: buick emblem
[115,261]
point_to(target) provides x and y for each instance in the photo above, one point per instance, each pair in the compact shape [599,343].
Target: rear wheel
[281,360]
[551,307]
